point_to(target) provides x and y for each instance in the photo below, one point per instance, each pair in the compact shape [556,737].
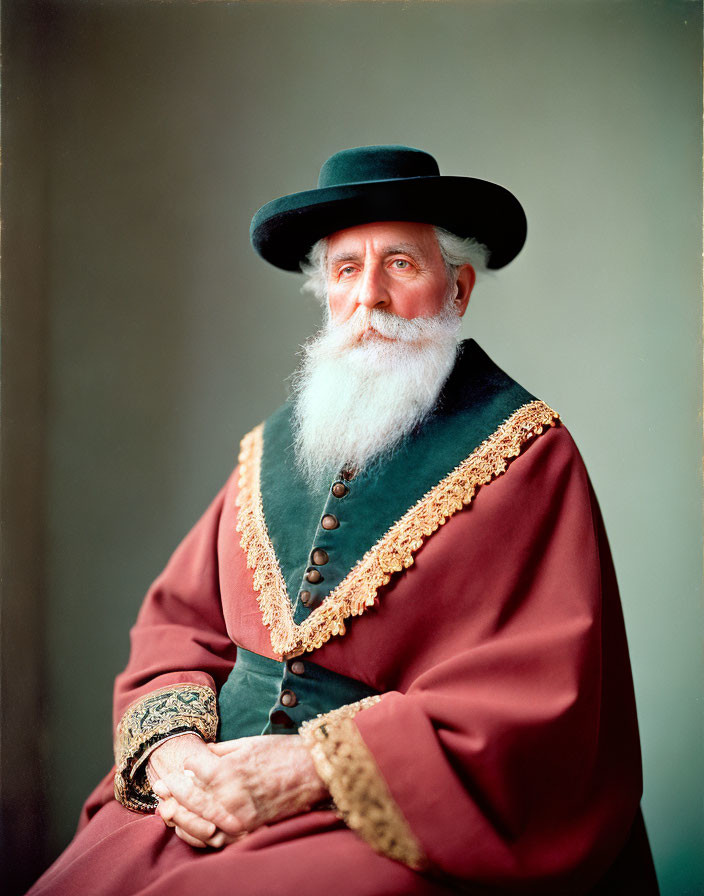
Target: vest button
[297,667]
[288,698]
[313,576]
[329,521]
[339,489]
[306,598]
[319,557]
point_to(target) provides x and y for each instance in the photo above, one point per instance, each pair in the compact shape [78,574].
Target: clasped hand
[213,794]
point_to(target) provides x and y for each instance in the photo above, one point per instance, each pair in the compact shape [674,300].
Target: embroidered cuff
[176,709]
[358,788]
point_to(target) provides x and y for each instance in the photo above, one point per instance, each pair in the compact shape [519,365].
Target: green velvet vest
[265,696]
[319,533]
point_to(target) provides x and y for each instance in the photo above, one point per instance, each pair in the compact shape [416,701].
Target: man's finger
[188,792]
[174,815]
[206,804]
[166,809]
[220,839]
[193,824]
[223,747]
[161,790]
[203,766]
[191,841]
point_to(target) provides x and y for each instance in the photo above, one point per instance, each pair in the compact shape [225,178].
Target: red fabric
[180,633]
[508,735]
[525,727]
[122,852]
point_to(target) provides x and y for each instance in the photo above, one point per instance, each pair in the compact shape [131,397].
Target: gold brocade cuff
[358,788]
[178,708]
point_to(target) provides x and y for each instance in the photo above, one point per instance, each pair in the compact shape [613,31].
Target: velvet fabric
[506,732]
[249,701]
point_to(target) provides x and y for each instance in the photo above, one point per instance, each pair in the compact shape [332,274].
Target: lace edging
[169,710]
[268,579]
[392,553]
[359,790]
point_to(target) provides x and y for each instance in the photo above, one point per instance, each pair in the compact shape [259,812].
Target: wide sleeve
[511,761]
[180,655]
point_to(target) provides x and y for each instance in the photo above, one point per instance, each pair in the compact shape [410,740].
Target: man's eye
[347,270]
[401,263]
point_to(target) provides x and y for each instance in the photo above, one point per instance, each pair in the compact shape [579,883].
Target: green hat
[388,183]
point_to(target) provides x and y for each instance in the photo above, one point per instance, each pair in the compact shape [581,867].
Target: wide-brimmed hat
[388,183]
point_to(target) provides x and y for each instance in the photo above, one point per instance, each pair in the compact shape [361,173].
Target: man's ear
[466,278]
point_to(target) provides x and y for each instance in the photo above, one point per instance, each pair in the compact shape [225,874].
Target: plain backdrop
[142,337]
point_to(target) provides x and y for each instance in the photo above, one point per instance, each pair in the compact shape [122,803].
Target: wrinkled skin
[213,794]
[392,266]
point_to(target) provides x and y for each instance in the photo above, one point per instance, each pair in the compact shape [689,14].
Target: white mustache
[388,325]
[355,398]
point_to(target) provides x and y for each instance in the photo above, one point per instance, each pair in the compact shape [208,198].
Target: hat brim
[284,230]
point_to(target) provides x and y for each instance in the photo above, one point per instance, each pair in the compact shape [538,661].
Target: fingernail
[159,789]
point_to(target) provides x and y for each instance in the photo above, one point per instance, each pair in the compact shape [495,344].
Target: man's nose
[372,292]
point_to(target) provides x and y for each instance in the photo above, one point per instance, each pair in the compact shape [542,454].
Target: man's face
[393,266]
[375,370]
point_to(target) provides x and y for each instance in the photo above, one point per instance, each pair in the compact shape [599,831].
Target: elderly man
[390,657]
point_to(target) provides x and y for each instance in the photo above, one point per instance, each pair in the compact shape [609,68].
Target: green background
[142,336]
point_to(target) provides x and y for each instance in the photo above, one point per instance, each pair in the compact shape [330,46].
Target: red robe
[503,755]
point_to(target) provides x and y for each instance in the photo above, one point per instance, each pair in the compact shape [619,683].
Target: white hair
[455,251]
[356,395]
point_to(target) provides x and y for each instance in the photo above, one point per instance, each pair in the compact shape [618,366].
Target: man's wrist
[146,756]
[152,773]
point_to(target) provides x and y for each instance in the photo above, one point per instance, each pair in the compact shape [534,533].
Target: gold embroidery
[268,579]
[394,550]
[356,785]
[171,709]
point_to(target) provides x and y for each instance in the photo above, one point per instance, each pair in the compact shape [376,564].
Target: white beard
[357,395]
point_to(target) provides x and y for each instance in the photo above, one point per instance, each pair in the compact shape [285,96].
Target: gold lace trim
[168,710]
[356,785]
[394,550]
[268,579]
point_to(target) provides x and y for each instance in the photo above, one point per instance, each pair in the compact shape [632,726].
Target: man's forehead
[402,236]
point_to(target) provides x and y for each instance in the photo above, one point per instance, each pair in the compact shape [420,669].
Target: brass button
[347,474]
[339,489]
[279,717]
[297,667]
[288,698]
[306,598]
[313,576]
[329,521]
[319,557]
